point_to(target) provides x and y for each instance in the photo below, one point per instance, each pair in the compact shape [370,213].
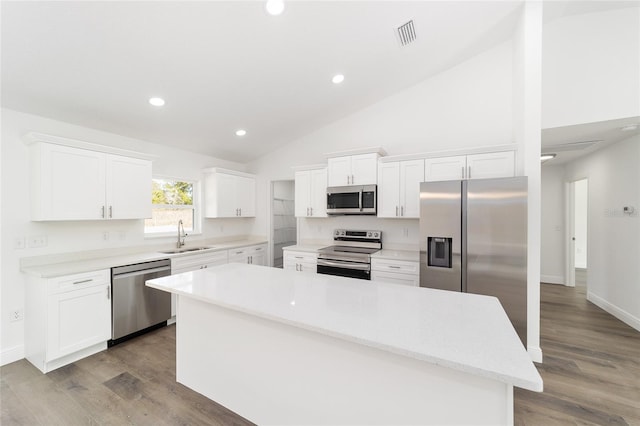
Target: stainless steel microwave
[355,199]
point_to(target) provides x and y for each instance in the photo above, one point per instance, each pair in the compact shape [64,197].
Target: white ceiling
[222,66]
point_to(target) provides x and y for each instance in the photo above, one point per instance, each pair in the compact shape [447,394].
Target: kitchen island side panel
[274,373]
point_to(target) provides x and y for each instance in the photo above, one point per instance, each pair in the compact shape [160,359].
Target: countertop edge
[529,384]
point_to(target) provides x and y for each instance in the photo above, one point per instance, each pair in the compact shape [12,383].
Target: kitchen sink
[186,249]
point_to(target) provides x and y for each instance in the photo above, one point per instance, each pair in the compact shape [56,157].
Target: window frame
[196,207]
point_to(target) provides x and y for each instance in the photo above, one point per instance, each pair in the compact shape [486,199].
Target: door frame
[570,220]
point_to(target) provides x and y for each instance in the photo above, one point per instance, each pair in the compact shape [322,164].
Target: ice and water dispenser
[439,252]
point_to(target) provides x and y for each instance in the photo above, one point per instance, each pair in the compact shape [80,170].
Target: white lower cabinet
[301,261]
[193,262]
[67,318]
[396,271]
[253,255]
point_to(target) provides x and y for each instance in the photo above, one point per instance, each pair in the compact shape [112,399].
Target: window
[172,200]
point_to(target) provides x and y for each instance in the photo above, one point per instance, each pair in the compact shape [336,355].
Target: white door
[302,193]
[78,319]
[73,184]
[364,169]
[389,189]
[246,196]
[445,168]
[491,165]
[411,174]
[318,194]
[225,200]
[128,188]
[339,171]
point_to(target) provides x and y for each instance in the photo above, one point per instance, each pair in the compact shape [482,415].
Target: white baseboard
[552,279]
[535,352]
[7,356]
[621,314]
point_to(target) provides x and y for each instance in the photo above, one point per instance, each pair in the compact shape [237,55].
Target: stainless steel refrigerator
[473,238]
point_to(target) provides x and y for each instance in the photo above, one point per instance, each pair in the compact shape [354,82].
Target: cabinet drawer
[397,266]
[395,278]
[300,257]
[79,281]
[194,261]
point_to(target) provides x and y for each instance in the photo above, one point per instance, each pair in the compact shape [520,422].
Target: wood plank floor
[591,374]
[591,368]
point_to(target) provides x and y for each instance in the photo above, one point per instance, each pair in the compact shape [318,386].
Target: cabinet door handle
[462,172]
[469,172]
[401,210]
[353,180]
[108,292]
[311,210]
[307,211]
[299,257]
[110,212]
[102,214]
[83,281]
[396,210]
[240,210]
[300,267]
[394,267]
[297,267]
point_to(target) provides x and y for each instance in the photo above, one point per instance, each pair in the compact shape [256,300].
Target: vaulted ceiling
[223,66]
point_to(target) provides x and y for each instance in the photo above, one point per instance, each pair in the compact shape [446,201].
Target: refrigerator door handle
[360,200]
[462,172]
[463,237]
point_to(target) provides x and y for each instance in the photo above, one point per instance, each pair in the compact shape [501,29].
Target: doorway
[577,237]
[283,221]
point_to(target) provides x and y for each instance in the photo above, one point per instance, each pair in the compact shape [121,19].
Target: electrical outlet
[16,315]
[37,241]
[20,243]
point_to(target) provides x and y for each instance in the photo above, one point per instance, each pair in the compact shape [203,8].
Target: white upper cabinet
[358,169]
[228,193]
[491,165]
[311,193]
[399,188]
[69,183]
[473,166]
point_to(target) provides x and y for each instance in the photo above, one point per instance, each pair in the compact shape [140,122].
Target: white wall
[552,244]
[468,106]
[591,64]
[581,188]
[613,238]
[77,236]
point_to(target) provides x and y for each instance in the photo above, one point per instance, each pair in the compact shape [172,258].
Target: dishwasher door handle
[143,272]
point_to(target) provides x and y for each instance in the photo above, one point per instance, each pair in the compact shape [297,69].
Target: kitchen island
[280,347]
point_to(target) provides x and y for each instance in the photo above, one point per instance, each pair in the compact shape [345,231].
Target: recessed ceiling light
[274,7]
[546,157]
[629,128]
[156,101]
[337,79]
[241,132]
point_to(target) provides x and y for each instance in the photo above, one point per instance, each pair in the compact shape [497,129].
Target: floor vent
[406,33]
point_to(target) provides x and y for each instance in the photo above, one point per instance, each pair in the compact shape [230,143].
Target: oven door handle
[360,199]
[345,265]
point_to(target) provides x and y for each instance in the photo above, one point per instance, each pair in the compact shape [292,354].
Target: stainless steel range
[351,255]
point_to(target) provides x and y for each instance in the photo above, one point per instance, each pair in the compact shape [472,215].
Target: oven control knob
[337,232]
[368,234]
[375,235]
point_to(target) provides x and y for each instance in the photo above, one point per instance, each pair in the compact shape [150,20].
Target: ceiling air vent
[406,33]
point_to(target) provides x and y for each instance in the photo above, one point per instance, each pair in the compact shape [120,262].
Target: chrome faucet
[181,234]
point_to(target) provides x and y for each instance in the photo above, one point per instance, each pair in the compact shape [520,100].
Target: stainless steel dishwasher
[136,308]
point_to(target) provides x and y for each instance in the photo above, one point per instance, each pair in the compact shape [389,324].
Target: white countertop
[465,332]
[73,265]
[309,248]
[403,255]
